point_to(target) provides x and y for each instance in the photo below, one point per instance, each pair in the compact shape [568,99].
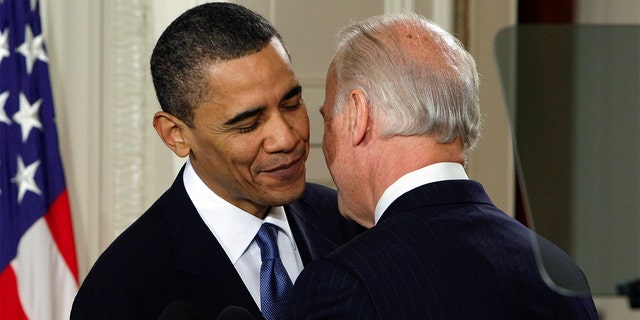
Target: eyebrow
[255,111]
[292,93]
[244,115]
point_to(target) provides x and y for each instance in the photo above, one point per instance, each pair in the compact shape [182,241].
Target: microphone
[180,310]
[235,313]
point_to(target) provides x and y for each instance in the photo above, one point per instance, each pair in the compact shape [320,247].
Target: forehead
[258,79]
[269,61]
[330,89]
[332,75]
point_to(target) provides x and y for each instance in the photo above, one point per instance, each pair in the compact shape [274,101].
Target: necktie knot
[267,240]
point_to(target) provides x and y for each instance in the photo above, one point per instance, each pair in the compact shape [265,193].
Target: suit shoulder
[144,243]
[139,239]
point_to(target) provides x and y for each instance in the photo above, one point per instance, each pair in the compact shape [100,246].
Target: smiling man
[249,137]
[232,105]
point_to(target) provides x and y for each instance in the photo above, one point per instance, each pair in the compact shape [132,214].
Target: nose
[281,134]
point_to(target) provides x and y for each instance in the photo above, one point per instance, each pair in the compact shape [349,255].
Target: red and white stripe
[42,281]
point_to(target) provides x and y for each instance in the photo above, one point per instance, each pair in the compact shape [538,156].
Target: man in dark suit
[401,113]
[232,104]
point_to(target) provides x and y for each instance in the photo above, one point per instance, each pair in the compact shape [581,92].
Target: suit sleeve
[327,290]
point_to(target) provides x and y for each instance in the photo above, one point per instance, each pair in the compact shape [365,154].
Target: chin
[286,195]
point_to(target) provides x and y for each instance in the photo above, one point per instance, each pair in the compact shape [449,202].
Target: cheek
[241,155]
[299,122]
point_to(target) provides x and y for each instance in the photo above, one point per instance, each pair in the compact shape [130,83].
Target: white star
[3,101]
[32,48]
[27,116]
[4,44]
[33,4]
[25,178]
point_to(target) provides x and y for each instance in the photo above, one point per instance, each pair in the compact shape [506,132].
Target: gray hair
[431,89]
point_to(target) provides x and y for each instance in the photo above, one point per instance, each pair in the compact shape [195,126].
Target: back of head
[201,36]
[418,78]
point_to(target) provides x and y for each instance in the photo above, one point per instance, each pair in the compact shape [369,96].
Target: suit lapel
[199,254]
[306,228]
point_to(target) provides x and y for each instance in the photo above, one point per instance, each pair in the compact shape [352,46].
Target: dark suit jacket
[440,251]
[169,255]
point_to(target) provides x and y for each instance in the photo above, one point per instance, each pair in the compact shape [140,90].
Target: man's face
[336,153]
[251,138]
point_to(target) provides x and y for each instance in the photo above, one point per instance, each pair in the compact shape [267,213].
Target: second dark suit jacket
[169,255]
[441,251]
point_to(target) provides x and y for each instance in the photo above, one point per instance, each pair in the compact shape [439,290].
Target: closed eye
[249,128]
[293,107]
[292,100]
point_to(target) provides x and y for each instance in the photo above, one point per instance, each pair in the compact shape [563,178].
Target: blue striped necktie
[275,284]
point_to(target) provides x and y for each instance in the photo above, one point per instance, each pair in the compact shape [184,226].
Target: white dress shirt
[235,230]
[432,173]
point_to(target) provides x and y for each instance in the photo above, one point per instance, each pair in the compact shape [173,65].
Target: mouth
[286,171]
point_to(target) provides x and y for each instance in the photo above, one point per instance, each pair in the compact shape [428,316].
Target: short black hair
[201,36]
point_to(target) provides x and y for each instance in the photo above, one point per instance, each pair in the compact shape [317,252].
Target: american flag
[39,273]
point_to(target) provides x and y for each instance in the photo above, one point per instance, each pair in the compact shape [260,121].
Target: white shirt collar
[233,227]
[432,173]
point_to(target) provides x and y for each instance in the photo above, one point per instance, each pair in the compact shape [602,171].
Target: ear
[359,116]
[171,131]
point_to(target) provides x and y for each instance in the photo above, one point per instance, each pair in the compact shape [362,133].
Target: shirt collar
[234,228]
[431,173]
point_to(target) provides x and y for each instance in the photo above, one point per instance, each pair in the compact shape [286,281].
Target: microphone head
[235,313]
[180,310]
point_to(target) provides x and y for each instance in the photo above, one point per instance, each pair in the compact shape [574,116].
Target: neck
[404,154]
